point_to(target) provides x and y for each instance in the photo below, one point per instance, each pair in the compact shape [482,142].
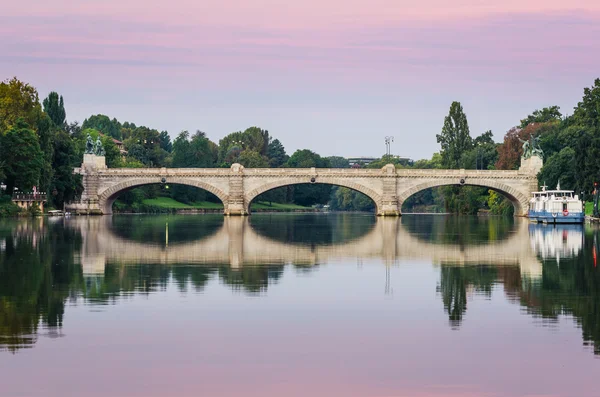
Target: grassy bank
[169,203]
[278,207]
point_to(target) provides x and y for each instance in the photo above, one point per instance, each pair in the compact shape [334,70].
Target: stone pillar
[235,203]
[89,203]
[530,168]
[389,200]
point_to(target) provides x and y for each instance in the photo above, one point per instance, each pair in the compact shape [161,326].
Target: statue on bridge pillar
[532,158]
[89,145]
[531,147]
[98,148]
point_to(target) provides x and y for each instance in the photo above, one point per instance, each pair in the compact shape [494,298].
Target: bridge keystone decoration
[237,186]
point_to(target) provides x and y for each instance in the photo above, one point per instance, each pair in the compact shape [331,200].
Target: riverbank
[171,206]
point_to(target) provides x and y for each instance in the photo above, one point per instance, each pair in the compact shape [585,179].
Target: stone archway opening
[465,197]
[317,195]
[144,196]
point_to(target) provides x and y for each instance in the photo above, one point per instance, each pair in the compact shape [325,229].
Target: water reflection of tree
[37,276]
[460,230]
[251,279]
[571,287]
[454,283]
[154,229]
[313,229]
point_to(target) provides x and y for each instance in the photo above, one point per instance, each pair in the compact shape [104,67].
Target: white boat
[556,206]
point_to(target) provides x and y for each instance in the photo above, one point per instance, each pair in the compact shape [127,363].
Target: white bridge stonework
[237,186]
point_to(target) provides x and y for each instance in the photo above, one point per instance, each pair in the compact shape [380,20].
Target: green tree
[45,132]
[587,151]
[454,138]
[54,107]
[542,116]
[65,185]
[253,138]
[165,142]
[18,100]
[338,162]
[276,154]
[22,155]
[252,159]
[560,167]
[104,124]
[483,155]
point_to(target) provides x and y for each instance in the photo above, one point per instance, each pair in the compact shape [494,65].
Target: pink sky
[318,75]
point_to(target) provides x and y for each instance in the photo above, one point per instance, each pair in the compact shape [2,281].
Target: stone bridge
[237,244]
[237,186]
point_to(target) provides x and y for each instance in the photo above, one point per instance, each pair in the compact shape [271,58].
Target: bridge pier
[389,199]
[235,204]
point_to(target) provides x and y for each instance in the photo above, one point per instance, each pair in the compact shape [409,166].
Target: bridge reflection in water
[549,271]
[237,244]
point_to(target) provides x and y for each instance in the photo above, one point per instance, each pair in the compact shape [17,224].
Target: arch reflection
[550,271]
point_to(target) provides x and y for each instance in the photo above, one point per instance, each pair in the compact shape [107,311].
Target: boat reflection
[556,241]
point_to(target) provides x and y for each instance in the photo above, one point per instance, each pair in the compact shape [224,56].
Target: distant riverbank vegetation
[39,149]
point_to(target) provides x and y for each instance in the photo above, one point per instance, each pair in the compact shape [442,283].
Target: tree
[276,154]
[104,124]
[542,116]
[483,155]
[454,138]
[54,107]
[586,118]
[587,112]
[65,185]
[22,156]
[306,159]
[252,159]
[18,100]
[165,141]
[45,133]
[560,167]
[338,162]
[253,138]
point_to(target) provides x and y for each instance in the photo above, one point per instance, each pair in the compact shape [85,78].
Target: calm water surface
[298,305]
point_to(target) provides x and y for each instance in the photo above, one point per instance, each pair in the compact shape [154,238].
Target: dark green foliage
[65,185]
[7,207]
[54,107]
[454,138]
[344,199]
[165,142]
[542,116]
[23,159]
[276,154]
[46,131]
[253,139]
[560,168]
[104,124]
[338,162]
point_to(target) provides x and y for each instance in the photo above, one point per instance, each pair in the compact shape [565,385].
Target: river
[298,305]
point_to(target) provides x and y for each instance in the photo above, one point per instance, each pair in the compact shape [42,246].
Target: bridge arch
[518,199]
[107,197]
[342,182]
